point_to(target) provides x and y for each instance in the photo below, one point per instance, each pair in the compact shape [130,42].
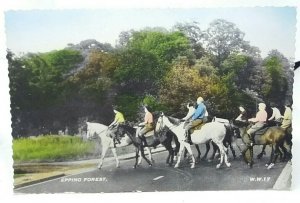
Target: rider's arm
[113,123]
[239,118]
[272,117]
[189,114]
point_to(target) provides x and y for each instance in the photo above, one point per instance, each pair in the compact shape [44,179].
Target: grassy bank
[51,148]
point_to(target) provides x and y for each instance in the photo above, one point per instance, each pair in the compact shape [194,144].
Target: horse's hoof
[218,166]
[150,165]
[266,165]
[176,166]
[228,165]
[209,160]
[271,166]
[134,167]
[193,166]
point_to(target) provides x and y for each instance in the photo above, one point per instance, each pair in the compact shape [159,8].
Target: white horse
[214,131]
[107,142]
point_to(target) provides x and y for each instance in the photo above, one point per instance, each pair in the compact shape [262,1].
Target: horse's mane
[128,128]
[174,121]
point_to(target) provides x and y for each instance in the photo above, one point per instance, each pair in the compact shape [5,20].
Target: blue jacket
[200,112]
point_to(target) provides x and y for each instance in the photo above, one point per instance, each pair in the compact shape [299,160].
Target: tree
[94,80]
[36,88]
[242,70]
[195,35]
[164,45]
[139,71]
[275,86]
[205,67]
[223,38]
[288,72]
[183,84]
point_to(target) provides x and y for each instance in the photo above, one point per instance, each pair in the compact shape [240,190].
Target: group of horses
[168,130]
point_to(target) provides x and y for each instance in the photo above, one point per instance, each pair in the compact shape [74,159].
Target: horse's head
[90,133]
[234,129]
[160,123]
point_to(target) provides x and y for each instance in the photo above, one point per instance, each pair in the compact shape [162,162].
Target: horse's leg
[207,144]
[140,158]
[251,156]
[185,153]
[262,152]
[181,148]
[177,146]
[137,151]
[199,153]
[244,155]
[223,155]
[232,151]
[169,148]
[215,149]
[188,147]
[274,155]
[104,150]
[143,155]
[114,151]
[149,154]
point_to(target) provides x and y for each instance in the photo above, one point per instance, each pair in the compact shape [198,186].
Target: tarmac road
[161,177]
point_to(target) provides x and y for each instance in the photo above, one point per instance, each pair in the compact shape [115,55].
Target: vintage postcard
[151,100]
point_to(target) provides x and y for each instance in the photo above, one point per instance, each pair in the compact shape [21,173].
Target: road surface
[161,177]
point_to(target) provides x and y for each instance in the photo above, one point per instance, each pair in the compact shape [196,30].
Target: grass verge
[51,148]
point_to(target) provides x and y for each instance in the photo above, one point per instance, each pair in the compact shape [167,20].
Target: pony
[210,131]
[107,142]
[274,136]
[164,137]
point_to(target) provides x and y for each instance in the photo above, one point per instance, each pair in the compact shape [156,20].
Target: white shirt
[190,113]
[276,115]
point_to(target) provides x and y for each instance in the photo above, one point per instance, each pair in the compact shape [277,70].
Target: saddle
[261,131]
[198,127]
[149,134]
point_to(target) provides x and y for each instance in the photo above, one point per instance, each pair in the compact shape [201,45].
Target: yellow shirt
[119,118]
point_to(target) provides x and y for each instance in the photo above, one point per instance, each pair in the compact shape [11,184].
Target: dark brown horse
[274,136]
[164,137]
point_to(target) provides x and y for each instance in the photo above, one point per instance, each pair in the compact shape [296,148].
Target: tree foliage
[164,69]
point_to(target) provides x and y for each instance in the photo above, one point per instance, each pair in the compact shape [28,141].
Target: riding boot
[251,139]
[144,141]
[187,137]
[114,140]
[118,139]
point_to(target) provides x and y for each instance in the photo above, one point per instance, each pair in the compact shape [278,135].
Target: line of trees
[165,69]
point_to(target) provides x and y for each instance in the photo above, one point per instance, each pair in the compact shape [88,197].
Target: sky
[45,30]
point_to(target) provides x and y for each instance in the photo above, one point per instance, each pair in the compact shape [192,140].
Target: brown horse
[274,136]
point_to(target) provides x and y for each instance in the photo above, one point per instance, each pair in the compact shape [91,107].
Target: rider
[259,120]
[197,118]
[243,115]
[276,116]
[113,127]
[287,117]
[147,125]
